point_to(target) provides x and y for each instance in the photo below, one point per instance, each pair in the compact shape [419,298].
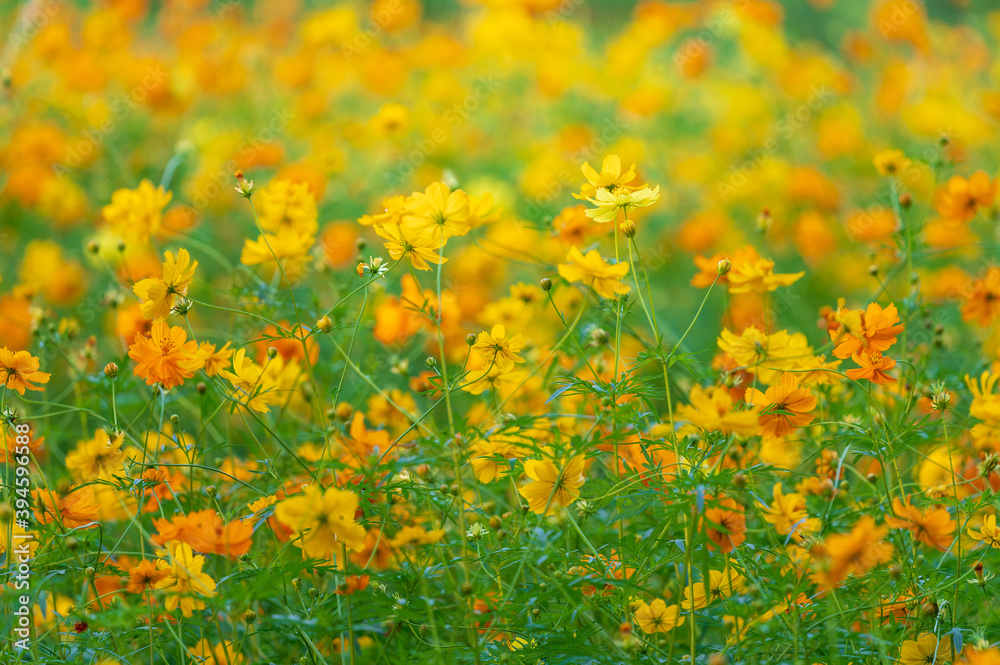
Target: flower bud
[628,228]
[324,324]
[111,370]
[249,616]
[470,339]
[905,200]
[725,265]
[546,284]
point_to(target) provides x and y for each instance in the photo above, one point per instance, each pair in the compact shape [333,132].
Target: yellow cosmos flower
[498,349]
[610,178]
[417,244]
[322,521]
[891,162]
[720,584]
[135,214]
[19,371]
[926,650]
[440,210]
[988,532]
[608,203]
[758,277]
[658,617]
[605,278]
[284,204]
[250,385]
[184,581]
[159,293]
[288,246]
[552,487]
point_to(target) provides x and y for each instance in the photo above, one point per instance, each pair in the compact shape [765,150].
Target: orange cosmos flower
[165,357]
[725,524]
[75,509]
[961,198]
[19,371]
[784,407]
[144,576]
[874,329]
[932,527]
[856,552]
[983,303]
[873,366]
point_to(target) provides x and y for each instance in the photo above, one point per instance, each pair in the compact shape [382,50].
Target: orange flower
[725,524]
[19,369]
[856,552]
[77,508]
[961,198]
[206,533]
[873,366]
[352,584]
[165,357]
[932,527]
[784,407]
[874,329]
[144,576]
[983,304]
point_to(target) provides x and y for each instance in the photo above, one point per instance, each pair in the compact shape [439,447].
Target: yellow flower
[184,582]
[758,277]
[215,360]
[223,653]
[988,532]
[159,293]
[322,521]
[712,410]
[498,349]
[136,213]
[610,178]
[657,617]
[890,162]
[289,246]
[787,513]
[721,584]
[552,487]
[605,278]
[285,204]
[418,244]
[250,386]
[926,650]
[439,210]
[96,458]
[19,371]
[609,203]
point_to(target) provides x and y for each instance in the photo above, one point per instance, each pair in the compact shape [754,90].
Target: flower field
[500,331]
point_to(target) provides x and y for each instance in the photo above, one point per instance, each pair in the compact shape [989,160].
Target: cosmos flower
[552,486]
[165,356]
[159,293]
[605,278]
[183,581]
[19,371]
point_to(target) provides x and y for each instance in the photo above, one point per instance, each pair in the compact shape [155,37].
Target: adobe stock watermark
[456,116]
[782,131]
[120,107]
[365,35]
[19,551]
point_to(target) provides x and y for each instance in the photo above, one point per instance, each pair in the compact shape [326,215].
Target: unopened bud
[470,339]
[324,324]
[546,284]
[111,370]
[725,265]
